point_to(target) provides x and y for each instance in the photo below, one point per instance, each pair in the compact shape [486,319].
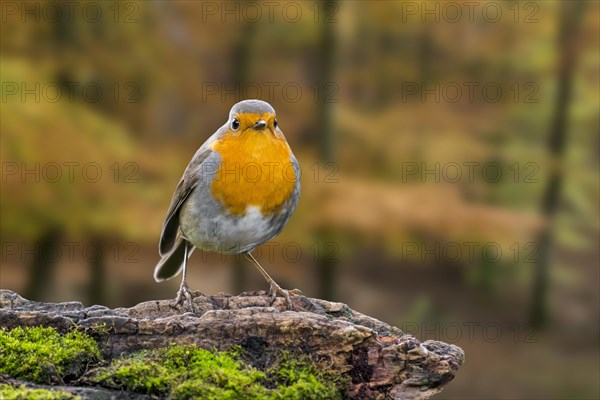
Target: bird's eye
[275,123]
[235,125]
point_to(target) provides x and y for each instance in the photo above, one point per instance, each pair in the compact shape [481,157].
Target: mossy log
[381,361]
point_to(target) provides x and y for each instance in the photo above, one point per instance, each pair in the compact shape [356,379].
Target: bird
[238,191]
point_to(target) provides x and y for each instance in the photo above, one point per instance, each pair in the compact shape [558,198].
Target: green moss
[134,373]
[8,392]
[42,355]
[187,372]
[301,379]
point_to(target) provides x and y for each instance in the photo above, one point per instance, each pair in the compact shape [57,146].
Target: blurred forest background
[449,153]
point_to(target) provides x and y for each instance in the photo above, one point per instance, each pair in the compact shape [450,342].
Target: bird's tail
[171,264]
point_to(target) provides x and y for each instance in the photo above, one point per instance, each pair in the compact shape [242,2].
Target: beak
[260,125]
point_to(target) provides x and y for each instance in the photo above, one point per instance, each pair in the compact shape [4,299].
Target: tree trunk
[97,285]
[326,266]
[45,255]
[567,52]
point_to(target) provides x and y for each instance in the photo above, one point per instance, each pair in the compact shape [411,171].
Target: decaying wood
[382,361]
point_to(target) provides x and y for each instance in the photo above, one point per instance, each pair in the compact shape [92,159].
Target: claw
[275,289]
[184,294]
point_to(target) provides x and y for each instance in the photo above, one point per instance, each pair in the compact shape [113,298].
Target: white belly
[226,233]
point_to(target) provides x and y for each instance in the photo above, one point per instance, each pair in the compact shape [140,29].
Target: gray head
[255,114]
[253,106]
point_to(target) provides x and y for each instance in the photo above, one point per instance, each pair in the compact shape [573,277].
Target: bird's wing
[186,185]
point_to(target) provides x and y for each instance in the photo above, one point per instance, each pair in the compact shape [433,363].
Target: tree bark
[381,360]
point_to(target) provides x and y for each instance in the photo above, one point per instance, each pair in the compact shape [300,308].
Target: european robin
[238,191]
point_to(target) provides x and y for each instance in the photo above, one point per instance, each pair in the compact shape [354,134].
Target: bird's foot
[184,294]
[275,290]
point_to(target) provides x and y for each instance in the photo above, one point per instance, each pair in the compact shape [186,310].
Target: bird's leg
[184,291]
[274,289]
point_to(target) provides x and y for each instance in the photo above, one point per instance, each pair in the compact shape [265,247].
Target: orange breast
[256,170]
